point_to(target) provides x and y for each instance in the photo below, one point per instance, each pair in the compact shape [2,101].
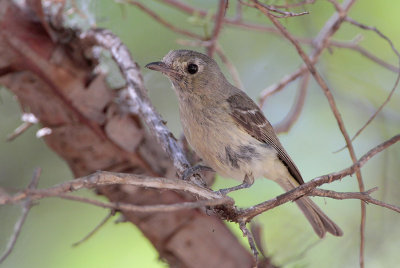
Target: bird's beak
[160,66]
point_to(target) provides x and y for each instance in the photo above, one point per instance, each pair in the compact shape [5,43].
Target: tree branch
[219,21]
[365,27]
[224,205]
[102,178]
[157,18]
[294,114]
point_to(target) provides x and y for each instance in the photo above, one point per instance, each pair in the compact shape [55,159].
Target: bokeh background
[358,85]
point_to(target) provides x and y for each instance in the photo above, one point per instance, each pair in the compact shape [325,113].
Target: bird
[228,130]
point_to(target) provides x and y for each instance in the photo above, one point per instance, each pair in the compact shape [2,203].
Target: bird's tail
[320,222]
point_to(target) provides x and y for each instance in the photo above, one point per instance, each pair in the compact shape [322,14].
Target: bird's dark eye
[192,68]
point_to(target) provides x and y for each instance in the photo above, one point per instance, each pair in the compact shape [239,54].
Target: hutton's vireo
[229,131]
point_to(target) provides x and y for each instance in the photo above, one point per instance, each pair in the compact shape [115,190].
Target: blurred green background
[358,85]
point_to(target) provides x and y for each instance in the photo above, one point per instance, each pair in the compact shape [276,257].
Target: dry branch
[240,216]
[396,83]
[26,207]
[294,113]
[161,20]
[223,5]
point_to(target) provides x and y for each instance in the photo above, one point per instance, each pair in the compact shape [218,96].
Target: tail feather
[320,222]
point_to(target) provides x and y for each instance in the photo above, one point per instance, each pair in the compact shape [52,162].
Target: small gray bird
[229,131]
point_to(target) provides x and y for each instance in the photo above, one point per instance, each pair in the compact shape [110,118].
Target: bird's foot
[247,182]
[196,171]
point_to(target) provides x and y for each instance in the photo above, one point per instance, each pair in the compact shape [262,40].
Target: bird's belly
[231,152]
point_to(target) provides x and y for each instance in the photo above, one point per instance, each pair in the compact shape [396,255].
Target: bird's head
[190,71]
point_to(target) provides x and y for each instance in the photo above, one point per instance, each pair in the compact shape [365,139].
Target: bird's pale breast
[230,151]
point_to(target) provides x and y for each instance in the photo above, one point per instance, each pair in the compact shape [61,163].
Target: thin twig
[302,253]
[321,41]
[28,120]
[364,52]
[266,93]
[161,20]
[98,226]
[250,239]
[230,66]
[19,130]
[257,232]
[297,4]
[33,184]
[294,114]
[219,20]
[26,207]
[365,27]
[239,11]
[181,6]
[280,85]
[271,8]
[364,196]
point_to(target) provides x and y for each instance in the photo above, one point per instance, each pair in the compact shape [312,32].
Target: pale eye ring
[192,68]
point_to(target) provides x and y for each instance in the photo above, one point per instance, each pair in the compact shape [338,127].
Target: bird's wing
[249,117]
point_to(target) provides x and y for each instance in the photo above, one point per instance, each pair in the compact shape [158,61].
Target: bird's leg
[195,170]
[247,182]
